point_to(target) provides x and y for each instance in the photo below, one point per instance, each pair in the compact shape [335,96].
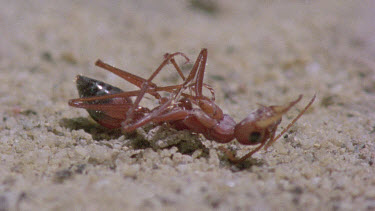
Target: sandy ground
[54,157]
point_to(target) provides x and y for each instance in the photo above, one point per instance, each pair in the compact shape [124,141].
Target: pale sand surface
[53,157]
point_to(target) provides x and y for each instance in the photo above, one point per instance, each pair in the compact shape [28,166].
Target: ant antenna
[290,124]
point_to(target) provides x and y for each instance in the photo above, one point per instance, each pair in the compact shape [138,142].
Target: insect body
[185,108]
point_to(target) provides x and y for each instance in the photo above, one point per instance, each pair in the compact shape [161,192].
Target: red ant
[112,108]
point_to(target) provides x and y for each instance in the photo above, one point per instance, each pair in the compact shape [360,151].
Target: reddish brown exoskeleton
[186,108]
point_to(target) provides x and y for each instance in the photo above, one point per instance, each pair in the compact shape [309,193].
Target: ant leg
[197,64]
[146,83]
[249,154]
[178,114]
[178,69]
[199,68]
[134,79]
[80,102]
[156,118]
[146,119]
[144,88]
[234,160]
[116,107]
[199,79]
[209,87]
[75,102]
[228,153]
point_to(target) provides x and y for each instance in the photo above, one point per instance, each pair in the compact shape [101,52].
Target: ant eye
[255,137]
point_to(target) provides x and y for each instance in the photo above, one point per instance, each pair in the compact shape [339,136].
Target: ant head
[256,127]
[260,126]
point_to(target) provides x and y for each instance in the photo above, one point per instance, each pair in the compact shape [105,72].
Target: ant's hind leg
[136,80]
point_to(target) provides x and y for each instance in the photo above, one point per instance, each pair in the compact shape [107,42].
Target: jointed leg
[83,102]
[273,132]
[134,79]
[200,62]
[128,127]
[233,158]
[101,107]
[178,69]
[199,78]
[146,84]
[138,81]
[207,86]
[197,72]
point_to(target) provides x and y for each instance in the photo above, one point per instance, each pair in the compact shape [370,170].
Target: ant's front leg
[233,158]
[139,81]
[136,80]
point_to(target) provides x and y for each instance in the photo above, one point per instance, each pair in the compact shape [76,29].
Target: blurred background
[264,52]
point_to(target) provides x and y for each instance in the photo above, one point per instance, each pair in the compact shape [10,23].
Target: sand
[54,157]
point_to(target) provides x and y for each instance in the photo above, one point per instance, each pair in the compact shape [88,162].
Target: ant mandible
[112,107]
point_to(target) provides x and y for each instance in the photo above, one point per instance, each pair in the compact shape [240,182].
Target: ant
[112,107]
